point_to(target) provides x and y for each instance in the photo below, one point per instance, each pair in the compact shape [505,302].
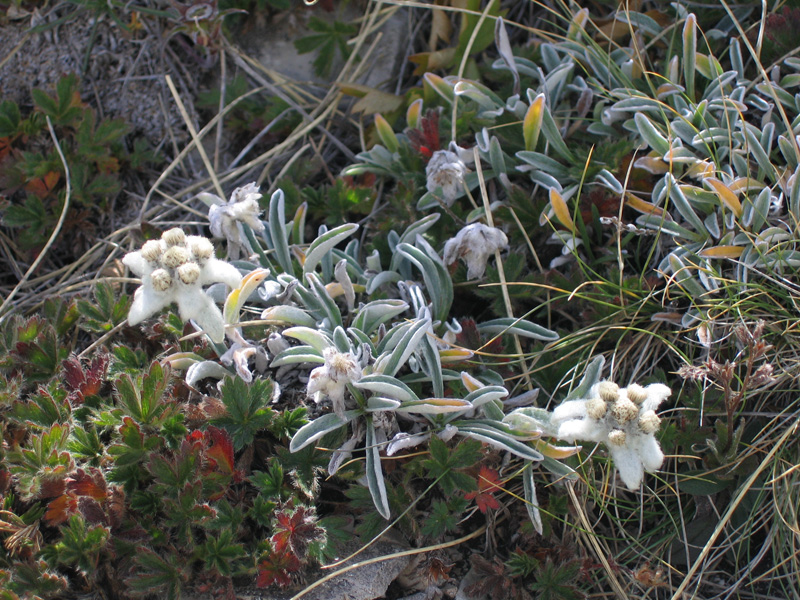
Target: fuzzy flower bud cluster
[446,170]
[624,419]
[226,219]
[331,379]
[475,244]
[175,269]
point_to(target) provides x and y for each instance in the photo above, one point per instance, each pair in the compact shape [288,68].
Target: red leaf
[91,510]
[84,382]
[488,482]
[53,484]
[73,377]
[294,531]
[5,147]
[221,450]
[43,186]
[116,506]
[425,140]
[60,509]
[89,483]
[276,569]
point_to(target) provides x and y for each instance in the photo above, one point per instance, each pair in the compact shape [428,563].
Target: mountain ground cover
[520,312]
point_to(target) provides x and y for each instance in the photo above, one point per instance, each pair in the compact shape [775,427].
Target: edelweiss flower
[175,269]
[622,419]
[446,170]
[330,379]
[475,244]
[226,218]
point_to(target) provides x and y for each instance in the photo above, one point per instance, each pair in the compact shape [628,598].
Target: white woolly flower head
[475,244]
[174,269]
[226,218]
[331,379]
[624,419]
[446,170]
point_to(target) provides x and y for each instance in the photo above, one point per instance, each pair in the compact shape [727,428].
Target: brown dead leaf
[441,27]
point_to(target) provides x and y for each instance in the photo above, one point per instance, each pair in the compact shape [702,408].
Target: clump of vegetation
[540,325]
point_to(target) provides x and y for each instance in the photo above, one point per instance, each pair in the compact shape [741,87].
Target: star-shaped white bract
[624,419]
[226,218]
[175,269]
[331,379]
[475,244]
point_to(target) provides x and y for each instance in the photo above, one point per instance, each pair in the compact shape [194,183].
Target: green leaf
[246,409]
[500,439]
[80,546]
[374,314]
[10,118]
[651,134]
[438,283]
[405,346]
[444,517]
[325,243]
[469,21]
[531,502]
[386,386]
[374,472]
[277,231]
[221,553]
[519,327]
[145,399]
[156,575]
[590,377]
[326,303]
[444,463]
[320,426]
[31,214]
[702,483]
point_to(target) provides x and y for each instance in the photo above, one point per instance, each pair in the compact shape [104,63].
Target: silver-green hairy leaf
[374,472]
[499,438]
[519,327]
[590,377]
[277,231]
[531,502]
[386,386]
[325,243]
[319,427]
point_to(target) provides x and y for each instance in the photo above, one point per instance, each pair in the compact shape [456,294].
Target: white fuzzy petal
[656,394]
[216,215]
[317,380]
[629,465]
[650,453]
[194,304]
[146,303]
[136,263]
[451,248]
[572,409]
[582,429]
[219,271]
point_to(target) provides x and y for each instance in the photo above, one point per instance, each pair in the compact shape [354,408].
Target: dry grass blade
[600,553]
[487,209]
[725,518]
